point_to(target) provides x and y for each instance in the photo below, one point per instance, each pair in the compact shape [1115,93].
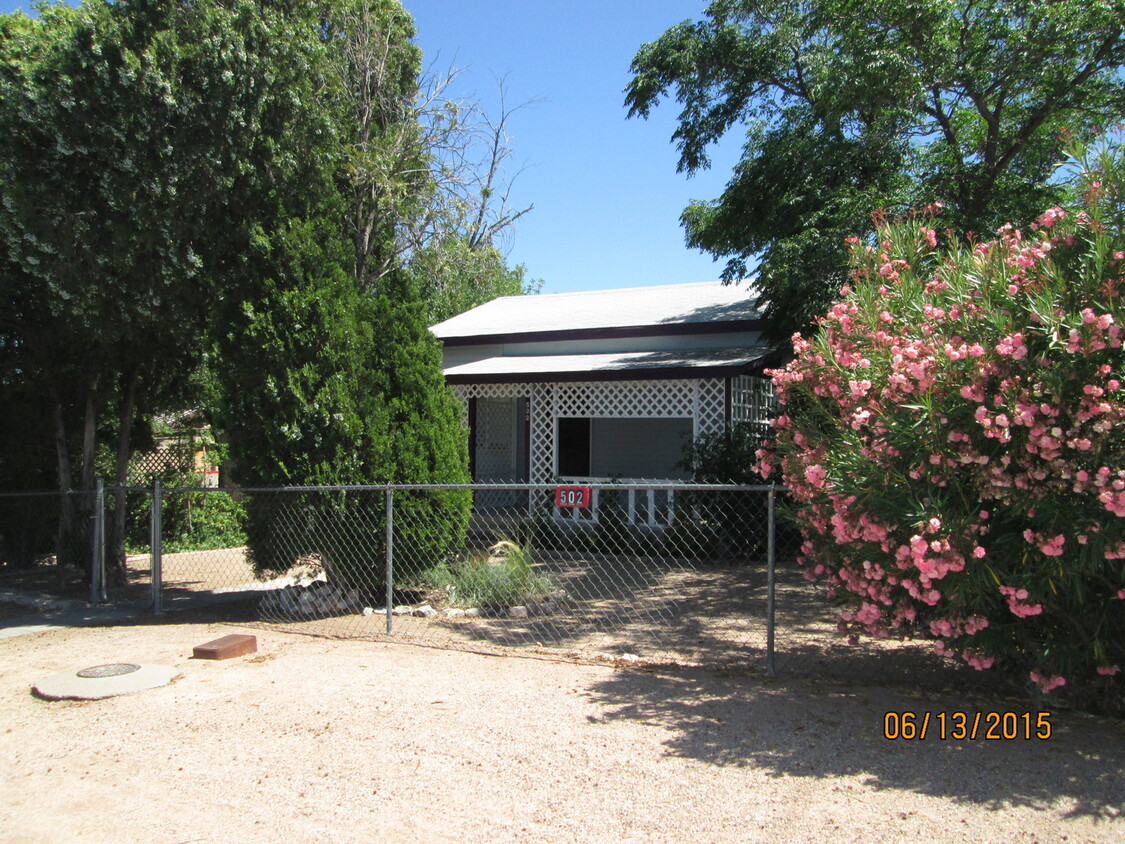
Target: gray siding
[638,448]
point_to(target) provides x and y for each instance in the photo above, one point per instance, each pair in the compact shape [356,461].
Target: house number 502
[572,496]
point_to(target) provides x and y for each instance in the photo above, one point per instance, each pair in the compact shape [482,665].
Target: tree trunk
[84,535]
[116,573]
[67,531]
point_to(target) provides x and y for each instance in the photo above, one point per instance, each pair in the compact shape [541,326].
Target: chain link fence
[85,546]
[642,571]
[639,571]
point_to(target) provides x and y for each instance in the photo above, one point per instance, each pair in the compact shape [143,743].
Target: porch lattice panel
[754,400]
[703,400]
[486,391]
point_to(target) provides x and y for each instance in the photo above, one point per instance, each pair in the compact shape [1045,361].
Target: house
[605,385]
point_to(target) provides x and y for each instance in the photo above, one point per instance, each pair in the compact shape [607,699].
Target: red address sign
[572,496]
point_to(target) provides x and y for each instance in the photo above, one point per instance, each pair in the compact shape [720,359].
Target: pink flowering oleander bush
[953,437]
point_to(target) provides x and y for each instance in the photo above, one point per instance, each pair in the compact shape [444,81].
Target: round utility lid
[102,681]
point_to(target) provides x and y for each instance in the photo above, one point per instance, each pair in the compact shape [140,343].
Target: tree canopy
[849,106]
[256,187]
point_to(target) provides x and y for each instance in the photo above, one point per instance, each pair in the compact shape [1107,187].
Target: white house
[608,384]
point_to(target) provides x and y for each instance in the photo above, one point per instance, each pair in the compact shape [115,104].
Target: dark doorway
[574,447]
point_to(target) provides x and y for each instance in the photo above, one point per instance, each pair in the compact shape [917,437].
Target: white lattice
[710,406]
[491,391]
[542,434]
[702,400]
[754,400]
[627,398]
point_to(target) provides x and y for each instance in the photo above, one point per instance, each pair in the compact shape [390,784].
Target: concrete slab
[102,681]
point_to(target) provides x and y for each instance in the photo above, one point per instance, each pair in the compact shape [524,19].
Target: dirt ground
[314,739]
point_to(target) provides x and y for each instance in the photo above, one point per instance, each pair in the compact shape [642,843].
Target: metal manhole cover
[114,669]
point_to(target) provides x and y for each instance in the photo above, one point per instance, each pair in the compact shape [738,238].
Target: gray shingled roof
[706,302]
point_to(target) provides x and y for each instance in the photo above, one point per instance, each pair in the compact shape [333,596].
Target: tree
[112,153]
[327,373]
[453,277]
[423,172]
[953,437]
[853,105]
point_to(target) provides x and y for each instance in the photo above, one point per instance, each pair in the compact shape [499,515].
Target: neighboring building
[185,447]
[605,385]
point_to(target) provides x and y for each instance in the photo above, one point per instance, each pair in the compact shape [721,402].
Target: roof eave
[671,329]
[623,374]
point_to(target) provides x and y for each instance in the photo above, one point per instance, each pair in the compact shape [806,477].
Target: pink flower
[980,663]
[1049,217]
[1108,670]
[1017,602]
[815,475]
[1053,547]
[975,625]
[1046,682]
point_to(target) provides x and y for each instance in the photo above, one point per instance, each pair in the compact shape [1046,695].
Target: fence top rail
[600,485]
[44,493]
[675,486]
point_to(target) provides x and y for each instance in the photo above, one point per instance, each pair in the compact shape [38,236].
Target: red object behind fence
[572,496]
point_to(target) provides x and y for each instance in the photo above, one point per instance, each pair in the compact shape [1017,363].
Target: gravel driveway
[315,739]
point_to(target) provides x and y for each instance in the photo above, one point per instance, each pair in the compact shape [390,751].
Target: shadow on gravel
[807,728]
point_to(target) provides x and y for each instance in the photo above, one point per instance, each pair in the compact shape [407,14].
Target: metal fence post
[156,564]
[771,555]
[390,560]
[97,573]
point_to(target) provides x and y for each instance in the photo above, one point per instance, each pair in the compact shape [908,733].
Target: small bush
[198,520]
[729,525]
[504,578]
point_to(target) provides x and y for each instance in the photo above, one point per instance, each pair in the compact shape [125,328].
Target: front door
[501,454]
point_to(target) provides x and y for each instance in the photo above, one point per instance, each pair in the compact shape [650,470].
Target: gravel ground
[316,739]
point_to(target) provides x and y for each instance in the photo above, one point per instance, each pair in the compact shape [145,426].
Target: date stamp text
[967,726]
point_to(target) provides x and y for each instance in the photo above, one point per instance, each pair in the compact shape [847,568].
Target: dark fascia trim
[672,329]
[717,371]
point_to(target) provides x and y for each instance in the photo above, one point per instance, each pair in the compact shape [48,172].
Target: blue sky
[606,192]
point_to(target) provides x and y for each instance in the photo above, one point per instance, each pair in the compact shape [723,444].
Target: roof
[673,308]
[698,363]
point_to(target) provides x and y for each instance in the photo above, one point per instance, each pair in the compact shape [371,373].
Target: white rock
[424,611]
[517,612]
[474,612]
[455,612]
[403,610]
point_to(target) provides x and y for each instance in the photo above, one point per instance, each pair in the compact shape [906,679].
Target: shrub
[727,524]
[953,439]
[196,520]
[504,578]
